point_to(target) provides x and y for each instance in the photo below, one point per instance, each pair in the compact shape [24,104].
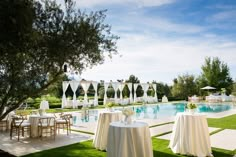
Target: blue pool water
[165,110]
[157,111]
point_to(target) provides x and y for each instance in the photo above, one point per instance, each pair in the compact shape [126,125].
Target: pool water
[165,110]
[156,111]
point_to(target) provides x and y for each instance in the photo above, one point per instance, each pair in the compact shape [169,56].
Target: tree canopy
[215,73]
[38,38]
[184,86]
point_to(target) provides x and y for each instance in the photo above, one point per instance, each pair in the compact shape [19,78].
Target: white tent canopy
[65,85]
[121,87]
[145,87]
[106,85]
[74,85]
[85,85]
[115,86]
[130,92]
[135,88]
[155,90]
[95,86]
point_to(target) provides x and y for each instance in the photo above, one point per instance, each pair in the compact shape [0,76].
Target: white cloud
[161,59]
[224,15]
[139,3]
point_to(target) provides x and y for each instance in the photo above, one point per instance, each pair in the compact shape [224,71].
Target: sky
[162,39]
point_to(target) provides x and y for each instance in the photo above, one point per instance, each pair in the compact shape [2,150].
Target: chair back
[46,121]
[16,121]
[67,117]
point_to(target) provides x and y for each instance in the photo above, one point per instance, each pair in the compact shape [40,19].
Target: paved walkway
[31,145]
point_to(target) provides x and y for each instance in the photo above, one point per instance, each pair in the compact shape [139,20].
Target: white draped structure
[65,85]
[145,87]
[135,88]
[155,90]
[121,87]
[74,85]
[130,93]
[85,85]
[95,86]
[115,86]
[106,85]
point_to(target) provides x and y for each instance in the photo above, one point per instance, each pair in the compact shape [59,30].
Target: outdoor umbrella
[208,88]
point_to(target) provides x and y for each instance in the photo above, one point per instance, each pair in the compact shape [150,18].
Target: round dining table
[34,121]
[129,140]
[190,135]
[101,133]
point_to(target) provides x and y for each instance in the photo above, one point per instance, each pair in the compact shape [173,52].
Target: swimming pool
[166,110]
[155,111]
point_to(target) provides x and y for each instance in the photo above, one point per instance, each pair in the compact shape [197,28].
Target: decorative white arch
[145,87]
[155,90]
[115,85]
[95,86]
[65,85]
[85,85]
[106,85]
[74,85]
[135,88]
[121,87]
[130,92]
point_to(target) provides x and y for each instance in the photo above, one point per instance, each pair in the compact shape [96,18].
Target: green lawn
[85,149]
[224,123]
[160,147]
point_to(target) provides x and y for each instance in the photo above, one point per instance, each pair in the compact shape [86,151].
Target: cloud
[162,59]
[224,16]
[139,3]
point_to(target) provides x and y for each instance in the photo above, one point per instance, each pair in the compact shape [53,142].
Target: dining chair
[47,127]
[19,125]
[64,123]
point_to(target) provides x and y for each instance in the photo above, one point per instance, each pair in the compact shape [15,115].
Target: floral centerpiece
[128,112]
[191,107]
[41,112]
[110,105]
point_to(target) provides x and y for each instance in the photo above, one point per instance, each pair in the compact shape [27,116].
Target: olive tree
[38,38]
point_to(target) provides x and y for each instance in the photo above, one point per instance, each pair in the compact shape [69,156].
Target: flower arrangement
[41,112]
[127,112]
[110,105]
[191,106]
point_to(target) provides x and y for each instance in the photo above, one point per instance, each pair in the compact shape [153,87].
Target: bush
[54,105]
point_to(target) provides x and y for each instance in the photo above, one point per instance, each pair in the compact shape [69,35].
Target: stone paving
[30,145]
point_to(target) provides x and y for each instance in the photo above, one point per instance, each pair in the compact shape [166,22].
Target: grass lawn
[85,149]
[224,123]
[160,147]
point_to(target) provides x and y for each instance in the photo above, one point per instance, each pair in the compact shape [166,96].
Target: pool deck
[225,139]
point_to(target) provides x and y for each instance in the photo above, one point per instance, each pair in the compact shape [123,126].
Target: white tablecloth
[104,119]
[44,104]
[190,135]
[131,140]
[34,121]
